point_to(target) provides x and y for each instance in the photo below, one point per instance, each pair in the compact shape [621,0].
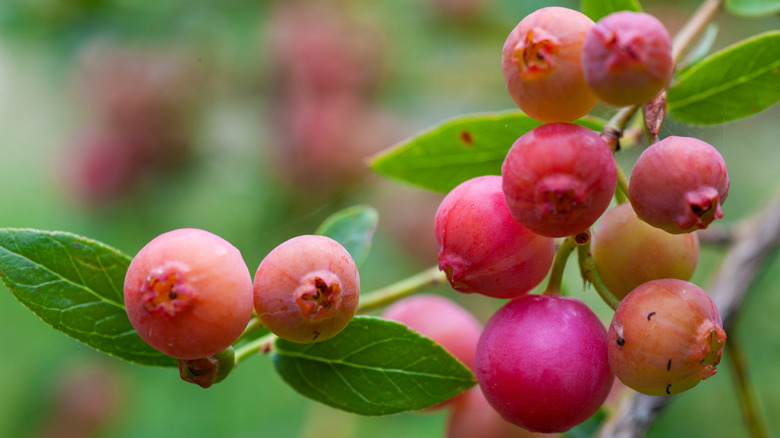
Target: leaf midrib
[64,279]
[281,351]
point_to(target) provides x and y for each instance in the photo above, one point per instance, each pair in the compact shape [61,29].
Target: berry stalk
[591,273]
[559,265]
[388,294]
[263,344]
[693,27]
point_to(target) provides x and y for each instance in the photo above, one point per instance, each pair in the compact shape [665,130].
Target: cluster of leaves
[374,367]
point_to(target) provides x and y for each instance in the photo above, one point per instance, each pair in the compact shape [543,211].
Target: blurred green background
[235,157]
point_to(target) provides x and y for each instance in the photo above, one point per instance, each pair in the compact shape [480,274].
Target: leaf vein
[19,253]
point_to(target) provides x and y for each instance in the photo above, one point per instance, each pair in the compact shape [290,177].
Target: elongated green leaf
[753,8]
[353,228]
[373,367]
[459,149]
[736,82]
[75,285]
[597,9]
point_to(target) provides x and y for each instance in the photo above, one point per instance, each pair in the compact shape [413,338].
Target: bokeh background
[120,120]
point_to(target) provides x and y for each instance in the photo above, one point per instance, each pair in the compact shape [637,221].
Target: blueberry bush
[548,254]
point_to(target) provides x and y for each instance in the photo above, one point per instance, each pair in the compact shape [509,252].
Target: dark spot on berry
[467,138]
[650,315]
[316,335]
[669,365]
[667,388]
[621,341]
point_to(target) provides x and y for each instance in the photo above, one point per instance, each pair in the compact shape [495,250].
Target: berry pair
[557,63]
[189,294]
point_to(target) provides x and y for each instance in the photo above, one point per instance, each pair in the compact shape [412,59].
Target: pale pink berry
[482,249]
[542,65]
[627,58]
[188,293]
[307,289]
[679,185]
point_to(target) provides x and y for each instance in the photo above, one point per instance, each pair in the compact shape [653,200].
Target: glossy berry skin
[679,185]
[188,293]
[629,252]
[627,58]
[482,249]
[307,289]
[542,65]
[440,319]
[542,362]
[558,179]
[665,337]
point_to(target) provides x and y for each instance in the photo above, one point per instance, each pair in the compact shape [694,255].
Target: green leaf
[597,9]
[75,285]
[353,228]
[459,149]
[373,367]
[753,8]
[736,82]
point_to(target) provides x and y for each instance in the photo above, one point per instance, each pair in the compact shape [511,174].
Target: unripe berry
[482,249]
[679,185]
[629,252]
[307,289]
[666,336]
[542,362]
[207,371]
[542,65]
[627,58]
[558,179]
[188,293]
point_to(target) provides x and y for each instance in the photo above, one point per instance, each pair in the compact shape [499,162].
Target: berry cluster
[189,294]
[546,362]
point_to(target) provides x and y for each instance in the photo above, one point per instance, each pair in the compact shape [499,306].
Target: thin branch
[695,26]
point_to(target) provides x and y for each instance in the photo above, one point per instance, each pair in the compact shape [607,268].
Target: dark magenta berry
[542,362]
[665,337]
[627,58]
[558,179]
[307,289]
[542,65]
[482,249]
[629,252]
[188,293]
[679,185]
